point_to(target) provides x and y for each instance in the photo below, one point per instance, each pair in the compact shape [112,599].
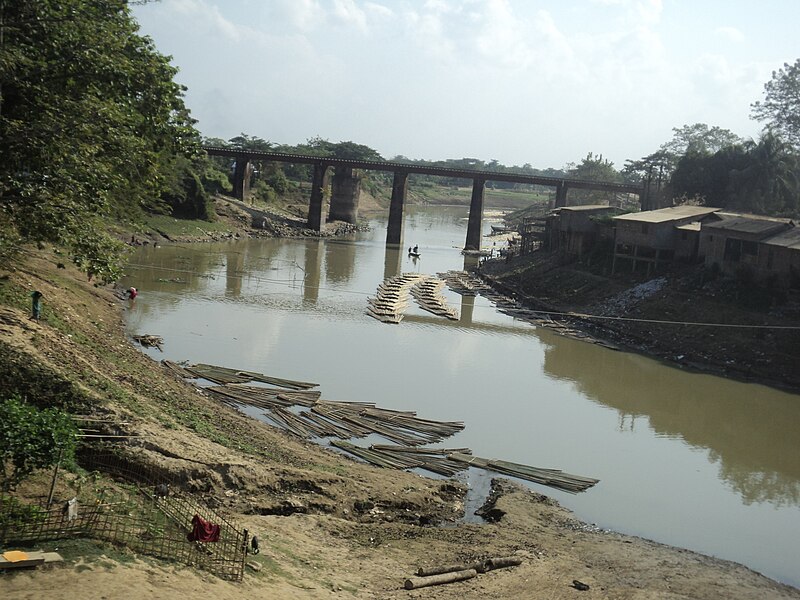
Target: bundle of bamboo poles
[399,457]
[224,375]
[463,283]
[391,299]
[549,477]
[263,397]
[176,369]
[427,293]
[401,427]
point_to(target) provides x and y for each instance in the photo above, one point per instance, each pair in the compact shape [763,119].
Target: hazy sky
[521,81]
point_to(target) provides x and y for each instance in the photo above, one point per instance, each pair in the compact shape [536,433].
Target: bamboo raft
[549,477]
[391,299]
[465,283]
[177,369]
[399,457]
[346,420]
[427,293]
[224,375]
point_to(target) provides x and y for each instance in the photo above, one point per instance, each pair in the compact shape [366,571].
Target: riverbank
[328,526]
[749,337]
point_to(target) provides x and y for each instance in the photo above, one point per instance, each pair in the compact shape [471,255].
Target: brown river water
[686,459]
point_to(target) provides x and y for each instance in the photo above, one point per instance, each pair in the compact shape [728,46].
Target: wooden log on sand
[502,561]
[479,566]
[412,583]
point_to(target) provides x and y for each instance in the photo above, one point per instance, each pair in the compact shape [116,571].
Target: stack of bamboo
[391,299]
[428,294]
[461,282]
[224,375]
[401,427]
[263,397]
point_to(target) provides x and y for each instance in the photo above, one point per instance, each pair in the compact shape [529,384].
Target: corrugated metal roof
[588,207]
[693,226]
[751,225]
[663,215]
[788,239]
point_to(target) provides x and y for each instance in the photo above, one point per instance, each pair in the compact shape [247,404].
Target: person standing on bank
[36,305]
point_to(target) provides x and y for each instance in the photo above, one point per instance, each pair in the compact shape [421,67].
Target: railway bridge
[346,186]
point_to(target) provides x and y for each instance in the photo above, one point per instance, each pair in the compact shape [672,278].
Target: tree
[593,168]
[31,439]
[699,138]
[762,178]
[91,124]
[781,106]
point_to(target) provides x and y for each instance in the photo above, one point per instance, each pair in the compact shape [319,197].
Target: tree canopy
[92,125]
[781,106]
[31,439]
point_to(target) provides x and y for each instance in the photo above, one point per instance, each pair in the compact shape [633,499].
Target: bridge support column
[475,215]
[394,231]
[345,192]
[241,178]
[561,194]
[316,216]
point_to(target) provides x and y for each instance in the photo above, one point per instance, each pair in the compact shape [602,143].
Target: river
[686,459]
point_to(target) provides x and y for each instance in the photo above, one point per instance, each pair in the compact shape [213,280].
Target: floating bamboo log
[549,477]
[413,583]
[178,370]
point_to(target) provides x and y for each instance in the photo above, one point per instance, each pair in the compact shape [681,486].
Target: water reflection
[753,436]
[392,261]
[312,266]
[340,260]
[234,273]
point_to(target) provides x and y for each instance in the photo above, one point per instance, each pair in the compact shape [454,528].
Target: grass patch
[172,227]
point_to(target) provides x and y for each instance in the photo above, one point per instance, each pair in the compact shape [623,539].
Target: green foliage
[593,168]
[91,123]
[762,178]
[14,514]
[31,439]
[781,106]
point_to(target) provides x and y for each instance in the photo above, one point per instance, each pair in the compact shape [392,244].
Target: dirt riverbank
[329,526]
[749,336]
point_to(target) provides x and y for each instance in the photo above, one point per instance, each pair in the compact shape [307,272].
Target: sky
[542,82]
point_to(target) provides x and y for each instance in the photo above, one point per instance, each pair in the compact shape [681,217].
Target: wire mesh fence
[146,516]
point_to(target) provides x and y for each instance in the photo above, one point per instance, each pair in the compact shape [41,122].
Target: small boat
[500,229]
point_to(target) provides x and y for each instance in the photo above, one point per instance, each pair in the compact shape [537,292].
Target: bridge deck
[425,170]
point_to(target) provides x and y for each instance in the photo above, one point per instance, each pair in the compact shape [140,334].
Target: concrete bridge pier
[316,216]
[242,173]
[394,231]
[475,215]
[345,193]
[561,194]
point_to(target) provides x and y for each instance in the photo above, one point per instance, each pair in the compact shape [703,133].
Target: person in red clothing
[132,293]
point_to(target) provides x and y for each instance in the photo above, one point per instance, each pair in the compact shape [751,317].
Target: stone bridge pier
[242,173]
[475,215]
[345,193]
